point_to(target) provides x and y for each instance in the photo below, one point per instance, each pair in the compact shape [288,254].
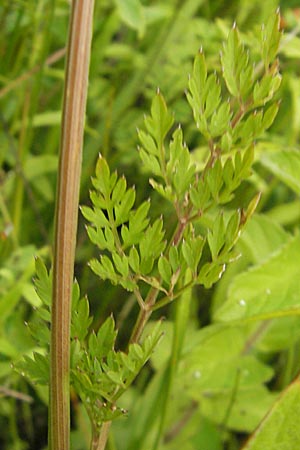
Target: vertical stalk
[74,103]
[182,312]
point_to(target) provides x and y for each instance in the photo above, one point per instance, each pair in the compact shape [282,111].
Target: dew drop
[197,374]
[268,291]
[242,302]
[23,374]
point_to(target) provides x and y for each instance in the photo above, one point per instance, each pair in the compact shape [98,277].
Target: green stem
[181,319]
[78,55]
[40,46]
[149,304]
[144,315]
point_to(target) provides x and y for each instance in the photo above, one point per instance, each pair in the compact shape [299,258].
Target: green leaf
[104,341]
[199,74]
[150,162]
[123,208]
[97,237]
[200,195]
[81,320]
[269,116]
[165,269]
[226,142]
[192,251]
[265,88]
[119,190]
[110,240]
[180,170]
[138,220]
[285,164]
[261,237]
[97,199]
[132,13]
[214,179]
[281,423]
[198,92]
[134,259]
[151,244]
[234,59]
[212,95]
[210,273]
[35,368]
[104,269]
[102,181]
[148,143]
[228,173]
[232,232]
[43,282]
[267,290]
[216,237]
[174,258]
[216,371]
[121,264]
[164,191]
[247,408]
[279,335]
[160,122]
[270,38]
[246,80]
[220,120]
[39,330]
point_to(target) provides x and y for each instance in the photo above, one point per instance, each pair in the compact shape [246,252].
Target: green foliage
[280,421]
[272,278]
[136,248]
[99,373]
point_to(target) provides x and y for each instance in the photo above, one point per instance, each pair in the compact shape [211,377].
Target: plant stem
[40,46]
[74,103]
[148,306]
[99,441]
[180,325]
[144,315]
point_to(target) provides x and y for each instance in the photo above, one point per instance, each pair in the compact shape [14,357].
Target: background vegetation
[234,373]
